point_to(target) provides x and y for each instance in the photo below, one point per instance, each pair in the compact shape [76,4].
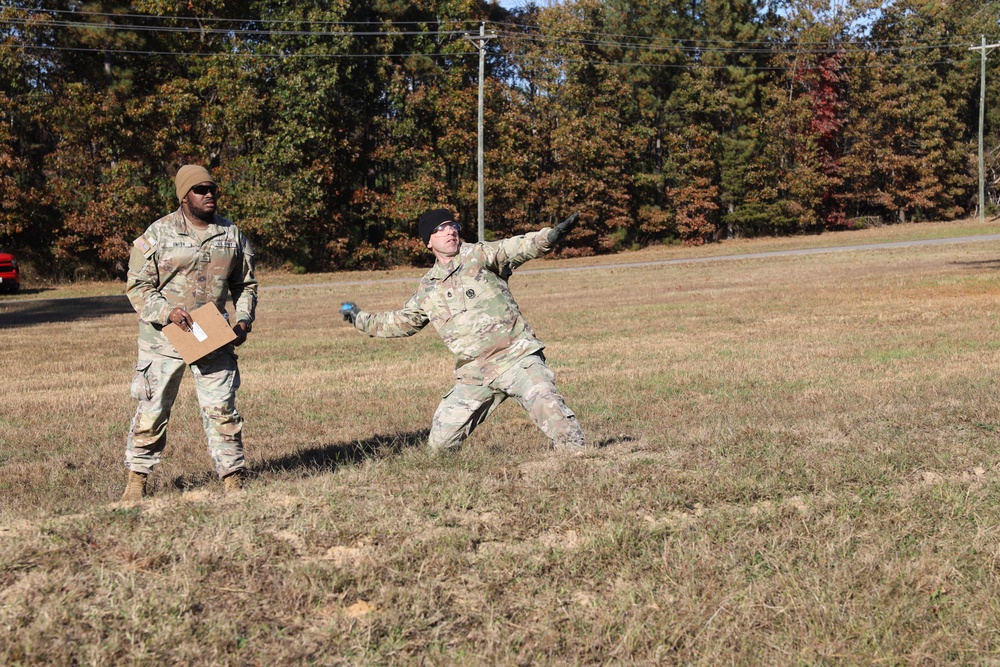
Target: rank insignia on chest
[144,246]
[470,293]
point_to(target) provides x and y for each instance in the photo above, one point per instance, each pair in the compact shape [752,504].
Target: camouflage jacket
[470,307]
[171,266]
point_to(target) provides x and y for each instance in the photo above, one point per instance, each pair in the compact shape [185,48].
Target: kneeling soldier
[466,298]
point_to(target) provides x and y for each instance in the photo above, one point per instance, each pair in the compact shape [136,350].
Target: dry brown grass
[798,466]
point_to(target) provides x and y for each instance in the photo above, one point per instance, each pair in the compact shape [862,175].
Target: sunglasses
[447,225]
[202,190]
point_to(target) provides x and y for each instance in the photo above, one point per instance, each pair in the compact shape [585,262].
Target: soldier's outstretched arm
[507,255]
[406,321]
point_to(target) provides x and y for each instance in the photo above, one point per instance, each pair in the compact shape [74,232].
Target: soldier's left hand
[241,330]
[563,228]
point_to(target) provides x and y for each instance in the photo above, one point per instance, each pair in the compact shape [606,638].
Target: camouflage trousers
[531,382]
[155,384]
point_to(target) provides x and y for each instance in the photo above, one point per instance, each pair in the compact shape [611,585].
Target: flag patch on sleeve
[144,246]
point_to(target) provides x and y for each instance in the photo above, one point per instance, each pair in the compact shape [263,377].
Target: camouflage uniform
[496,353]
[174,265]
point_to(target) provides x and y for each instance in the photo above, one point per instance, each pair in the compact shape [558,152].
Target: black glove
[350,311]
[506,272]
[563,228]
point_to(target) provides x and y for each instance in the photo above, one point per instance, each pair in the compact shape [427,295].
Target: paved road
[668,262]
[26,312]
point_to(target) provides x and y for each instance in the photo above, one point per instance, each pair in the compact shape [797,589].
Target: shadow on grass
[984,264]
[330,457]
[317,460]
[327,458]
[23,313]
[613,440]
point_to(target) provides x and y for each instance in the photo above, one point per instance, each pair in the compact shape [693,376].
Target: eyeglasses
[202,190]
[451,224]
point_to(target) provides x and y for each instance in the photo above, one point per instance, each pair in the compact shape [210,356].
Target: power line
[253,32]
[695,48]
[211,19]
[563,33]
[511,27]
[513,31]
[236,54]
[761,68]
[563,61]
[649,45]
[542,40]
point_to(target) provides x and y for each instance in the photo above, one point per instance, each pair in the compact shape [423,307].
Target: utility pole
[984,50]
[480,43]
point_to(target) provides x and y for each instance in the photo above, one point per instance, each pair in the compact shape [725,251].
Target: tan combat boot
[233,481]
[135,487]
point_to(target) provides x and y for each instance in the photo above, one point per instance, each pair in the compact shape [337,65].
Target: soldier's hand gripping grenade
[349,310]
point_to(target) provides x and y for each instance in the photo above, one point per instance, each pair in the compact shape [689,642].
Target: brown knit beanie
[189,176]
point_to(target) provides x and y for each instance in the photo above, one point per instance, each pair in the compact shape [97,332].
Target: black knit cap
[431,219]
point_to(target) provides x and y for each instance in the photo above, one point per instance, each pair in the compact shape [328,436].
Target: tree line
[332,124]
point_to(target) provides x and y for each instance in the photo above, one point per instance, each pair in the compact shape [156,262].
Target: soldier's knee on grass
[442,445]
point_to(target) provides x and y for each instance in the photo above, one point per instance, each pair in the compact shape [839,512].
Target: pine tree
[906,148]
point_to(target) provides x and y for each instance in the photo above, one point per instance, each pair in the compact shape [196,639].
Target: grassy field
[796,464]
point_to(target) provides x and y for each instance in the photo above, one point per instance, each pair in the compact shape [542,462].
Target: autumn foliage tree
[906,148]
[332,125]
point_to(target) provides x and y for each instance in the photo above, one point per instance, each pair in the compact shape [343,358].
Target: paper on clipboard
[209,332]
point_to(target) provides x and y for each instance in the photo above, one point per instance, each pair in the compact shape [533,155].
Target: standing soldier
[181,262]
[496,353]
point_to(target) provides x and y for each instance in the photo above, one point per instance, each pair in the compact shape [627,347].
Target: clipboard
[209,332]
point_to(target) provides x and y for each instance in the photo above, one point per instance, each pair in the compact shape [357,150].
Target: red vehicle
[10,275]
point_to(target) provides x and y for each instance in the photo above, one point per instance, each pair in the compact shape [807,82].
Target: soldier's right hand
[350,311]
[181,318]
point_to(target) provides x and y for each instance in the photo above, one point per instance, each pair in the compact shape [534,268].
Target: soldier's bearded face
[202,206]
[444,242]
